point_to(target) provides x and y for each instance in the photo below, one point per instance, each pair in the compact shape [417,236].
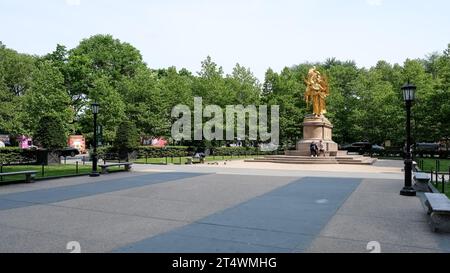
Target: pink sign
[155,141]
[25,142]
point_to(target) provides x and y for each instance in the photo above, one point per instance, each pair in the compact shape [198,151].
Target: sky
[257,34]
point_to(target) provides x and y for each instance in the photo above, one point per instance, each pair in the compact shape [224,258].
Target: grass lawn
[430,164]
[183,160]
[56,170]
[439,187]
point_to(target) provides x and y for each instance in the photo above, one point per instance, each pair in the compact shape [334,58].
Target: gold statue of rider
[316,91]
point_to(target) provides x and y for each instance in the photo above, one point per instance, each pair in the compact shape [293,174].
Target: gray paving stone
[311,224]
[383,230]
[332,245]
[10,204]
[58,194]
[176,243]
[225,189]
[64,182]
[85,224]
[250,211]
[381,186]
[243,235]
[16,240]
[146,207]
[293,224]
[386,204]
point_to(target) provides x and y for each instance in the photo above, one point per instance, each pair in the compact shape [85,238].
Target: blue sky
[255,33]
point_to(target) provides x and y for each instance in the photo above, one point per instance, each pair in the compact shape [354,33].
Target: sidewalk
[377,212]
[226,208]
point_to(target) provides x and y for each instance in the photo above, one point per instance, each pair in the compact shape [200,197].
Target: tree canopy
[365,103]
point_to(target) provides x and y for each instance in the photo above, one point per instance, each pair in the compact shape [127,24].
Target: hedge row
[392,152]
[109,152]
[169,151]
[227,151]
[10,155]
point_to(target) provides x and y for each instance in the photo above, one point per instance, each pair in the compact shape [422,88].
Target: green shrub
[109,152]
[168,151]
[50,133]
[105,152]
[10,155]
[228,151]
[127,139]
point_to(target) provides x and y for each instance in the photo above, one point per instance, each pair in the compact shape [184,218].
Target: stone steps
[283,159]
[292,161]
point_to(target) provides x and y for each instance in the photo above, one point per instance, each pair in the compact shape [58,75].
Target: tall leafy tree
[16,70]
[50,133]
[211,86]
[95,61]
[46,96]
[143,101]
[9,105]
[112,109]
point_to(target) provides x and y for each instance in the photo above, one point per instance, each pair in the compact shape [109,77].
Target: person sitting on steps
[313,149]
[321,148]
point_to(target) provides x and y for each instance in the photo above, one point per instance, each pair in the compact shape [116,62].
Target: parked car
[426,149]
[429,147]
[377,148]
[69,151]
[358,147]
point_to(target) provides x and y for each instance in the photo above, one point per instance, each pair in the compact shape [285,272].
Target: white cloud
[374,2]
[73,2]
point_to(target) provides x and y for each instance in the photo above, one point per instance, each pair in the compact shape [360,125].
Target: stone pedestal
[314,130]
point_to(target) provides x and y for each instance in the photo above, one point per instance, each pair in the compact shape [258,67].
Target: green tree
[245,87]
[286,90]
[377,114]
[106,56]
[50,133]
[99,62]
[15,78]
[142,99]
[9,104]
[112,109]
[46,96]
[127,138]
[16,70]
[175,87]
[211,86]
[342,98]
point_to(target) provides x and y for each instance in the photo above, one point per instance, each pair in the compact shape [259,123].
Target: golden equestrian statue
[316,91]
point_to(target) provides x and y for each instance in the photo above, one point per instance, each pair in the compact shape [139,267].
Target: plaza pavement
[230,207]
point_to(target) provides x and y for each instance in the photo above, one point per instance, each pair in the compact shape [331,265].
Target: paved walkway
[225,208]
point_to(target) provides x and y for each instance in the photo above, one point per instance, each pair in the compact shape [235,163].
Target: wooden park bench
[105,167]
[29,175]
[439,210]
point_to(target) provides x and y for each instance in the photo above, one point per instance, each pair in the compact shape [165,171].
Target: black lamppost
[409,93]
[95,108]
